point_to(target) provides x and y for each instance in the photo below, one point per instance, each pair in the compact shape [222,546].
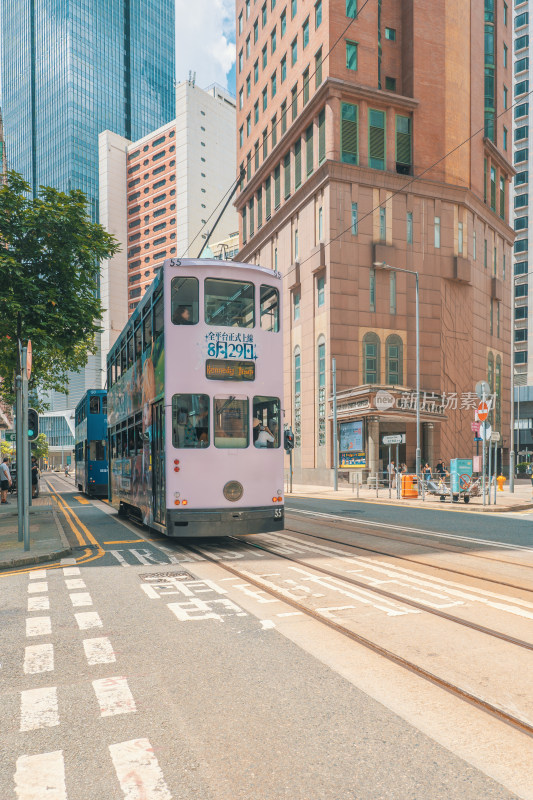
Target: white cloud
[205,40]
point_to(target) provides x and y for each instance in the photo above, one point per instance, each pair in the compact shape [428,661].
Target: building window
[247,47]
[520,224]
[321,374]
[355,220]
[376,139]
[265,99]
[390,84]
[318,68]
[256,31]
[318,14]
[521,200]
[392,292]
[256,71]
[322,137]
[394,349]
[294,8]
[321,291]
[294,51]
[403,145]
[493,188]
[283,117]
[296,306]
[297,164]
[273,41]
[505,96]
[256,112]
[351,55]
[296,245]
[305,34]
[306,86]
[309,150]
[409,222]
[287,175]
[460,238]
[371,366]
[505,55]
[297,397]
[382,224]
[349,133]
[437,232]
[283,68]
[264,56]
[351,9]
[248,86]
[264,15]
[390,34]
[372,289]
[273,90]
[505,138]
[320,224]
[294,102]
[502,198]
[240,60]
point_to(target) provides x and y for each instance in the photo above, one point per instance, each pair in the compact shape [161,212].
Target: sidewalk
[506,501]
[47,539]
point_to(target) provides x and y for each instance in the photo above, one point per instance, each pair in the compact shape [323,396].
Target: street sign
[398,438]
[28,359]
[495,437]
[11,436]
[482,389]
[482,411]
[475,426]
[485,431]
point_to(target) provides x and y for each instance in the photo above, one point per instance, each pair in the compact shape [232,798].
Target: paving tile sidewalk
[47,538]
[520,500]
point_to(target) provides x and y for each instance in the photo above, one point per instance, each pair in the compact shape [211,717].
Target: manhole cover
[163,576]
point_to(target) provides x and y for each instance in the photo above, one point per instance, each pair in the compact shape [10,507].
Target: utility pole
[24,472]
[335,442]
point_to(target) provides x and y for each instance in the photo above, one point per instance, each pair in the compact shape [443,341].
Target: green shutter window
[351,55]
[283,117]
[502,202]
[268,199]
[297,164]
[244,224]
[376,139]
[351,8]
[349,133]
[318,69]
[322,136]
[306,86]
[251,210]
[493,188]
[403,145]
[277,187]
[309,150]
[287,175]
[259,208]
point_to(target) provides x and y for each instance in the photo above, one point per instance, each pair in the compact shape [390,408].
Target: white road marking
[38,658]
[267,624]
[38,626]
[88,619]
[99,651]
[38,709]
[114,696]
[39,574]
[150,591]
[65,561]
[38,603]
[120,558]
[75,583]
[138,771]
[71,571]
[33,588]
[257,594]
[146,557]
[291,614]
[41,777]
[81,599]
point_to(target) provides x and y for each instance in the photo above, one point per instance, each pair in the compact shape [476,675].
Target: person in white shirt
[5,479]
[264,437]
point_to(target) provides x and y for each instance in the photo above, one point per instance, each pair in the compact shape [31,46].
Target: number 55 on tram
[195,384]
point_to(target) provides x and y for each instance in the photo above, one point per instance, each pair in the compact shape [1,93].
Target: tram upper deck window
[94,404]
[229,303]
[190,420]
[266,418]
[158,316]
[269,309]
[130,351]
[184,301]
[123,358]
[147,329]
[138,341]
[231,422]
[104,404]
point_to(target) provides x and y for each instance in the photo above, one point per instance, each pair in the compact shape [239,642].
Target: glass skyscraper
[71,69]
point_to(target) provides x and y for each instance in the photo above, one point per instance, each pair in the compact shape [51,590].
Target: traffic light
[33,424]
[288,439]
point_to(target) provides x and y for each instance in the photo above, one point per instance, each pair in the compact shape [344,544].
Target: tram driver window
[184,301]
[190,420]
[229,303]
[269,309]
[94,404]
[231,422]
[265,424]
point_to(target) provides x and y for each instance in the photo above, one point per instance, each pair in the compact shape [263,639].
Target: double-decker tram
[195,386]
[90,452]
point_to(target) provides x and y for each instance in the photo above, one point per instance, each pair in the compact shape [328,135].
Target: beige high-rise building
[376,141]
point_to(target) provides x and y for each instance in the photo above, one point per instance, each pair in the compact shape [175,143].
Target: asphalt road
[118,684]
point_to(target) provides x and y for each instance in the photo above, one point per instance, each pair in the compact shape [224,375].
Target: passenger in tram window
[264,437]
[182,316]
[255,428]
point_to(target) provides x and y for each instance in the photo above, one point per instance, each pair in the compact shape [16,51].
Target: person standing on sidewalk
[5,479]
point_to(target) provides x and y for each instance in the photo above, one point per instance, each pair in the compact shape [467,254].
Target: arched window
[321,373]
[490,381]
[297,397]
[371,358]
[394,351]
[498,391]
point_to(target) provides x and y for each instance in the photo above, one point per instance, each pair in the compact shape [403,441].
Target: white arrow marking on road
[38,604]
[138,771]
[33,588]
[81,599]
[38,709]
[88,619]
[41,777]
[99,651]
[38,626]
[39,658]
[114,696]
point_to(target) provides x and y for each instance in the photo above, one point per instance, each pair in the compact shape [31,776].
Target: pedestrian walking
[34,477]
[427,472]
[5,479]
[392,474]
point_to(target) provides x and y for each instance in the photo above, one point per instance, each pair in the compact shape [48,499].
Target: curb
[464,507]
[23,561]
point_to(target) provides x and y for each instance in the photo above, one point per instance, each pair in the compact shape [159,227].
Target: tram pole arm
[237,184]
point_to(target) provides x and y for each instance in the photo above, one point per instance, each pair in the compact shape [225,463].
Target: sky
[205,42]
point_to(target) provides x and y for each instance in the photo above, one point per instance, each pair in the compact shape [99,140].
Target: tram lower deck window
[229,303]
[231,422]
[266,417]
[190,420]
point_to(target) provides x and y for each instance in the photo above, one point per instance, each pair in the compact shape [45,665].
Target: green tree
[50,254]
[6,449]
[39,448]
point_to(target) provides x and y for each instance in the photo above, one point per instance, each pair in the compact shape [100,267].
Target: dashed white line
[38,658]
[99,651]
[88,619]
[39,574]
[81,599]
[65,561]
[114,696]
[38,709]
[138,771]
[42,586]
[41,777]
[75,583]
[38,603]
[38,626]
[71,571]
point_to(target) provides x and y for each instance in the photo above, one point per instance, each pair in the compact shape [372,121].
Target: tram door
[158,462]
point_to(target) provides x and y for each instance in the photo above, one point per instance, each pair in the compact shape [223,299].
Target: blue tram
[91,446]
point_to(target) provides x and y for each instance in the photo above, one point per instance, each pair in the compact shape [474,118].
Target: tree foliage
[6,448]
[50,254]
[39,448]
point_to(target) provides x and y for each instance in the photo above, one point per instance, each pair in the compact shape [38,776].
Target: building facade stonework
[383,153]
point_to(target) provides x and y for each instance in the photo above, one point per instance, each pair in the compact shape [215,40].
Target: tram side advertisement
[351,445]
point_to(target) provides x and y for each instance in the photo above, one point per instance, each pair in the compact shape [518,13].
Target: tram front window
[266,414]
[94,405]
[184,301]
[190,420]
[229,303]
[231,422]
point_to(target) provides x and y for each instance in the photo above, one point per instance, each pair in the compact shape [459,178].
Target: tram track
[406,540]
[283,595]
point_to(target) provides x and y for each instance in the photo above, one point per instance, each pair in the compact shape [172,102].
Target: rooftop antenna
[193,79]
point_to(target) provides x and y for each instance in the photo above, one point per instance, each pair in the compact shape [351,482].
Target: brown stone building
[379,139]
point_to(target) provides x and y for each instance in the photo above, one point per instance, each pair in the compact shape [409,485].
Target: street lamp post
[512,458]
[383,265]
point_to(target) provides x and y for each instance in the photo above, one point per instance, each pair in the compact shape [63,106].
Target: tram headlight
[233,491]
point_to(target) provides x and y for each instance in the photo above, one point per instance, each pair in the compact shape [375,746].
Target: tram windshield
[229,303]
[190,420]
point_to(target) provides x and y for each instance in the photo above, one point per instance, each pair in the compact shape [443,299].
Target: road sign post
[23,470]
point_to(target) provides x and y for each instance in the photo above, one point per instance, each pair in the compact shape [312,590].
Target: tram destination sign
[220,370]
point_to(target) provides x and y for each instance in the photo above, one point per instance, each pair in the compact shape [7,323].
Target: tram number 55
[175,262]
[278,513]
